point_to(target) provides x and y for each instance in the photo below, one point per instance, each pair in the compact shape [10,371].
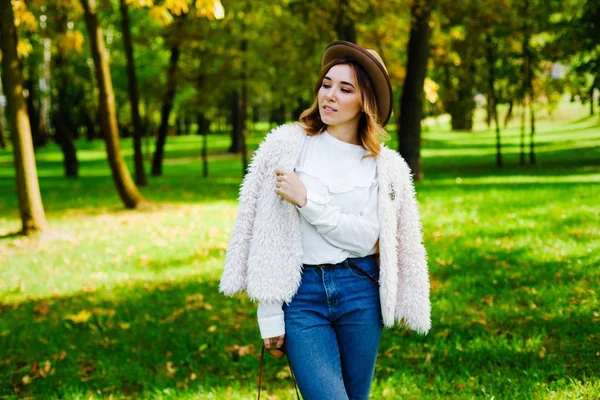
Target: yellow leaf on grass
[81,317]
[170,369]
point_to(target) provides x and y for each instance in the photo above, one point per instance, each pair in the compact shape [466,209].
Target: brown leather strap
[262,356]
[362,271]
[260,371]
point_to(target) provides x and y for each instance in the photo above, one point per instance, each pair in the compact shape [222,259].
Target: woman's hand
[276,341]
[290,187]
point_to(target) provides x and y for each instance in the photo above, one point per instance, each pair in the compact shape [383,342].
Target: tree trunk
[45,88]
[62,119]
[462,108]
[32,110]
[277,115]
[134,98]
[492,106]
[244,104]
[3,143]
[2,138]
[532,133]
[167,106]
[344,26]
[411,103]
[236,124]
[522,145]
[528,81]
[90,127]
[178,125]
[31,208]
[488,112]
[187,123]
[508,115]
[108,121]
[298,110]
[592,96]
[203,123]
[204,133]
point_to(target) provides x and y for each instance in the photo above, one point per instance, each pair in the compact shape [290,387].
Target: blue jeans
[332,330]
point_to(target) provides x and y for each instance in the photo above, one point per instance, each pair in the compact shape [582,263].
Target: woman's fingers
[276,341]
[280,342]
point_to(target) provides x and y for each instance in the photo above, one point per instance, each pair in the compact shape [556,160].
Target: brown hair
[370,131]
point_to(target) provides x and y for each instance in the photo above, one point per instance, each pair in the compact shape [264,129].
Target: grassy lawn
[116,304]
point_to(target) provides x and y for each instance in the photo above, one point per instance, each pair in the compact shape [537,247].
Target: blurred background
[126,127]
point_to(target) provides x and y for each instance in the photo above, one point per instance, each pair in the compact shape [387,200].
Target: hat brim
[373,68]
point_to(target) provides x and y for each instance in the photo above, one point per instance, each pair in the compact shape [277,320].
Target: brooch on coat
[392,192]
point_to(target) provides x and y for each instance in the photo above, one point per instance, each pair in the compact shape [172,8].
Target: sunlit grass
[123,304]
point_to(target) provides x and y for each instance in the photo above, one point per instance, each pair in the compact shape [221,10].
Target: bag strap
[365,273]
[262,356]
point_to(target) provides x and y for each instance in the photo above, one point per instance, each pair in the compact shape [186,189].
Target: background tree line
[109,69]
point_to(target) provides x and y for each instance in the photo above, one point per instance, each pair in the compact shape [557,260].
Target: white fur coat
[264,256]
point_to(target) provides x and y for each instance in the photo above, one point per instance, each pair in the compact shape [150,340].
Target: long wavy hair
[370,131]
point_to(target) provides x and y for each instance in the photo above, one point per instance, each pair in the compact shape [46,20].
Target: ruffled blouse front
[340,217]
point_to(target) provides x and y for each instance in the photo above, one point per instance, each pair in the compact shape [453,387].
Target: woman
[328,237]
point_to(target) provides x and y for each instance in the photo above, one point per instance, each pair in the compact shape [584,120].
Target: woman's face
[339,97]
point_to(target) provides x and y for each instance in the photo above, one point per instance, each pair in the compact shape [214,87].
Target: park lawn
[124,304]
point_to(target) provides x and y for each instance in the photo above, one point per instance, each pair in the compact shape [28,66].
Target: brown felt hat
[373,65]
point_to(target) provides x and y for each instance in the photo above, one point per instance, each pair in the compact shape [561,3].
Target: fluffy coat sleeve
[413,304]
[234,275]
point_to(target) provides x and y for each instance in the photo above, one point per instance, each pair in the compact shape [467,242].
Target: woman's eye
[326,86]
[345,91]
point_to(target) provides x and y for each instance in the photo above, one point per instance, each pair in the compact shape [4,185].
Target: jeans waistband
[344,263]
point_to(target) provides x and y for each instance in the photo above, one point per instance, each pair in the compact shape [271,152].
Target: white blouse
[339,219]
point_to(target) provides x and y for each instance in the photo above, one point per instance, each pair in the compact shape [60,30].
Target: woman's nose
[330,95]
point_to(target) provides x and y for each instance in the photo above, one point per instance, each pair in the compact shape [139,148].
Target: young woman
[328,237]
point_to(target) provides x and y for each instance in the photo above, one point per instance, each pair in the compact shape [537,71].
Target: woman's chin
[327,120]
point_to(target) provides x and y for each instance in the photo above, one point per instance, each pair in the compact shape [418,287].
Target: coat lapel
[388,223]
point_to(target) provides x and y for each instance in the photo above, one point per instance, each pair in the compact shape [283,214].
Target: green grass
[124,304]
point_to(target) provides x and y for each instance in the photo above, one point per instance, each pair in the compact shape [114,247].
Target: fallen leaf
[42,309]
[81,317]
[283,374]
[170,369]
[240,351]
[194,298]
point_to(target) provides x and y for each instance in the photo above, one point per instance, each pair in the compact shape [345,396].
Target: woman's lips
[328,109]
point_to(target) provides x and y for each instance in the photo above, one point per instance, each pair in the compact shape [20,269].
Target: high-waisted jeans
[333,326]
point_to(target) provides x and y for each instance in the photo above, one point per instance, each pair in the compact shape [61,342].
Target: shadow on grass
[503,323]
[147,337]
[12,235]
[97,195]
[130,341]
[551,164]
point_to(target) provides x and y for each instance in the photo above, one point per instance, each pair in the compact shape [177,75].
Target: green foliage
[124,304]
